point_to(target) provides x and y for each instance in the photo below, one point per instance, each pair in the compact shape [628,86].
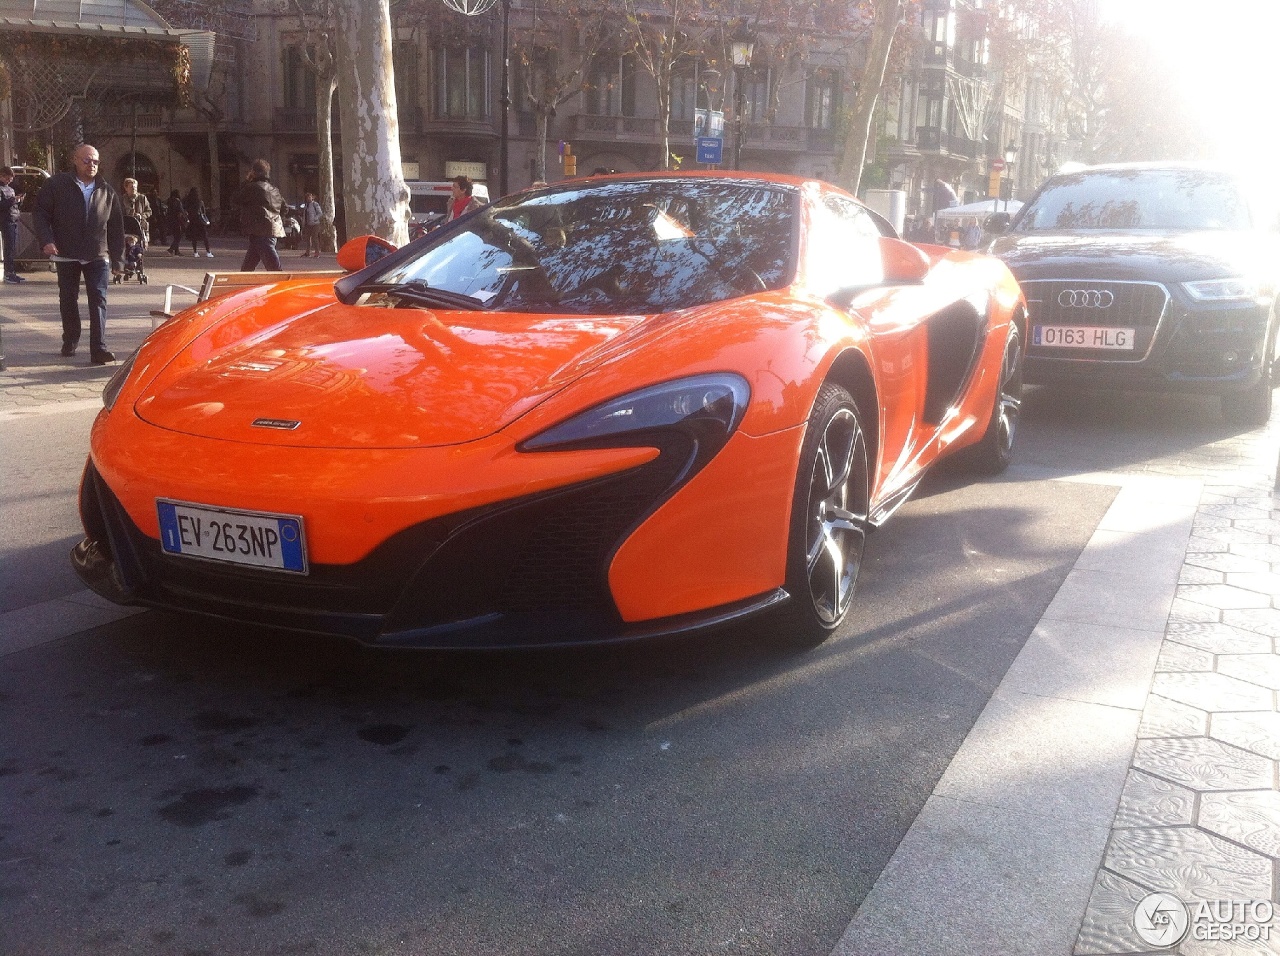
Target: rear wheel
[828,520]
[993,453]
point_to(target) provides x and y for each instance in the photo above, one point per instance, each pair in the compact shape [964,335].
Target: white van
[429,201]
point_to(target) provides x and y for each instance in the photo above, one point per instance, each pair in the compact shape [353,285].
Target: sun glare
[1221,58]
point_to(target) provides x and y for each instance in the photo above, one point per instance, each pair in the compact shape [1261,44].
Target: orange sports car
[598,411]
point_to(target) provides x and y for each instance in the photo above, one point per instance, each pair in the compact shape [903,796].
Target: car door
[844,251]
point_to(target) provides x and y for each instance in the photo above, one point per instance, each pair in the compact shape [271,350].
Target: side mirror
[902,264]
[363,251]
[997,223]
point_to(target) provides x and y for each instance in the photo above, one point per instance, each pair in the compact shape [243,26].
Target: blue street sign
[710,150]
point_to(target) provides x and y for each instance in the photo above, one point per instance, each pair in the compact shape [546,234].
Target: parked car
[599,411]
[1151,275]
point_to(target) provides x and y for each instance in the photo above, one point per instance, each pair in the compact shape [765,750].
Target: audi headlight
[111,391]
[1235,289]
[706,408]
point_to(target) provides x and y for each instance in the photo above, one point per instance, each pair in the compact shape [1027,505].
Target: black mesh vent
[1095,303]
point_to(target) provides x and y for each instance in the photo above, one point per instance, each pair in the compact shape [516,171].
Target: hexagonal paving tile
[1162,717]
[1108,919]
[1260,669]
[1183,611]
[1223,596]
[1212,691]
[1190,574]
[1258,733]
[1203,764]
[1191,864]
[1218,638]
[1228,563]
[1264,583]
[1252,549]
[1148,801]
[1251,818]
[1180,657]
[1267,526]
[1259,620]
[1234,510]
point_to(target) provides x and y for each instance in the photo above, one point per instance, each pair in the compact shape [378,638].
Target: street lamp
[474,8]
[740,49]
[1010,157]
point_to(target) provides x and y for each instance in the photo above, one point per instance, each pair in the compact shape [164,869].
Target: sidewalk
[1131,748]
[31,331]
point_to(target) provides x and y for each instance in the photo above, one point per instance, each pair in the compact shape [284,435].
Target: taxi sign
[710,150]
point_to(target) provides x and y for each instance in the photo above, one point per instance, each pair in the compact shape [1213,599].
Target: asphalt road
[176,786]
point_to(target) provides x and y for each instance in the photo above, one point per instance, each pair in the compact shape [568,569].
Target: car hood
[372,377]
[1155,256]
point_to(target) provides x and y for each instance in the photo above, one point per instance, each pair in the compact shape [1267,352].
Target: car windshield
[1172,199]
[615,247]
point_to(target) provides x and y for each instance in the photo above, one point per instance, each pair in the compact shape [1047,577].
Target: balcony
[629,129]
[929,139]
[464,127]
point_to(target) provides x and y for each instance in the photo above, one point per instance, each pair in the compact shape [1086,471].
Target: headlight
[111,390]
[706,407]
[1223,290]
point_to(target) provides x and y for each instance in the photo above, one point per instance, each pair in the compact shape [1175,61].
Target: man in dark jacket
[261,217]
[79,223]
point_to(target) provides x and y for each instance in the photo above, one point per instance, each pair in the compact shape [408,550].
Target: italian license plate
[254,538]
[1082,337]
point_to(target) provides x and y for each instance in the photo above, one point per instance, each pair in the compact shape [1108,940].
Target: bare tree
[552,76]
[851,155]
[319,49]
[376,197]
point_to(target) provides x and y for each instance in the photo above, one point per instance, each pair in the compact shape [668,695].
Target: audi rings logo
[1086,299]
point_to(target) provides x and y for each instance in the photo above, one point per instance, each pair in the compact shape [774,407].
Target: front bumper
[1183,346]
[532,571]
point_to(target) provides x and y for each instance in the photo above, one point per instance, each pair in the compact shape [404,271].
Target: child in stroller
[134,248]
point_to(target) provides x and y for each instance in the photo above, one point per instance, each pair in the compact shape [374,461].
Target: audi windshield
[1168,199]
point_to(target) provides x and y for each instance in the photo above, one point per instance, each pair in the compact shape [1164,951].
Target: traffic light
[570,161]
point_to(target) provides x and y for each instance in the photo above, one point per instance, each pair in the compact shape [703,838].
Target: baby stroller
[135,241]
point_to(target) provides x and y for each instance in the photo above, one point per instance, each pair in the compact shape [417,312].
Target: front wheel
[992,454]
[828,520]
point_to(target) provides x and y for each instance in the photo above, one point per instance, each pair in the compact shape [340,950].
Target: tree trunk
[853,152]
[326,85]
[215,169]
[377,200]
[540,157]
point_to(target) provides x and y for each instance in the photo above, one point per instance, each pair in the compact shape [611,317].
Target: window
[611,85]
[823,99]
[843,247]
[405,59]
[299,81]
[463,83]
[757,90]
[529,72]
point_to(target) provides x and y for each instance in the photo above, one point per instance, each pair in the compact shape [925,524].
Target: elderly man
[79,223]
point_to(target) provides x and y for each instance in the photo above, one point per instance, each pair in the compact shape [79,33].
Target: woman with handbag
[197,222]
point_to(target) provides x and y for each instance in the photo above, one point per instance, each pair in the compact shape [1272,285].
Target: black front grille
[1094,304]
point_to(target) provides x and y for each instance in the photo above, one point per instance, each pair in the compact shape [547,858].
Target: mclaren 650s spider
[603,410]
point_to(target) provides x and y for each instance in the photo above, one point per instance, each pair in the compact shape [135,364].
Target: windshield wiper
[423,294]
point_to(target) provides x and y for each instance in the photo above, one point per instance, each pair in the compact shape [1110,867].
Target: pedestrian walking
[175,217]
[261,217]
[10,203]
[197,222]
[311,216]
[79,222]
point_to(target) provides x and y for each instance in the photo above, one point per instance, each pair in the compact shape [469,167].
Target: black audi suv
[1145,275]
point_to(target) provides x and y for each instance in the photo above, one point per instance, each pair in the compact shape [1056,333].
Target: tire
[993,453]
[828,520]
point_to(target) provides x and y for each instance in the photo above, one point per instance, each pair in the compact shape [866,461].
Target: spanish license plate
[254,538]
[1082,337]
